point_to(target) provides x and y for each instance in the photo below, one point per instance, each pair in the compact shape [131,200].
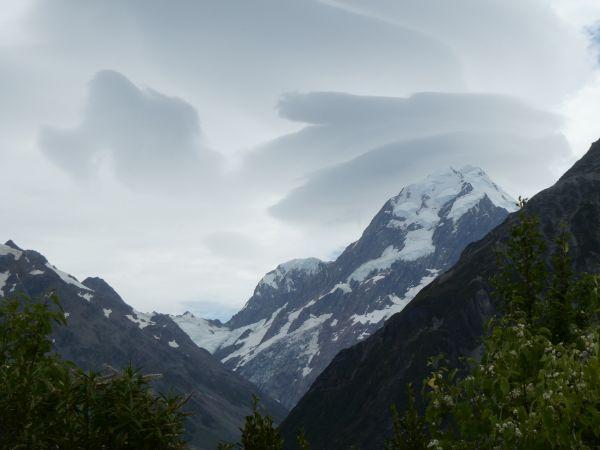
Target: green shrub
[258,433]
[537,385]
[49,403]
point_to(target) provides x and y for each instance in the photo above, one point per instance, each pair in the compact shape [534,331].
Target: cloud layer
[353,191]
[342,126]
[182,149]
[517,48]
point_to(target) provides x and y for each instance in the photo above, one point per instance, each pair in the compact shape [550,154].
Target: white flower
[448,400]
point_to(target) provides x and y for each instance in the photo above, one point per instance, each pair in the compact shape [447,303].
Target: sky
[181,150]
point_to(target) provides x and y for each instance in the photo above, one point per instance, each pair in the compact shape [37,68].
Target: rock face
[103,329]
[349,402]
[305,311]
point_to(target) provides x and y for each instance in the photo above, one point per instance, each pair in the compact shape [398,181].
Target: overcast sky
[182,149]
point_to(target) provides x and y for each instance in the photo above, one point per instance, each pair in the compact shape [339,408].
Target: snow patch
[311,327]
[67,278]
[3,278]
[418,243]
[308,265]
[375,279]
[362,336]
[253,344]
[274,278]
[141,319]
[388,257]
[87,296]
[255,333]
[6,250]
[36,272]
[344,287]
[482,186]
[398,303]
[269,280]
[173,344]
[418,206]
[107,312]
[202,332]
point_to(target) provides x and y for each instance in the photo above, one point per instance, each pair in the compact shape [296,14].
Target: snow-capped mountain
[305,311]
[103,329]
[349,404]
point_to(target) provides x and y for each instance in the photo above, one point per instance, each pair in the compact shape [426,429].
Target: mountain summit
[305,311]
[447,318]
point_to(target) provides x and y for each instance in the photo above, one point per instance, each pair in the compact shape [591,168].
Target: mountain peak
[309,265]
[442,198]
[10,243]
[305,266]
[470,184]
[13,250]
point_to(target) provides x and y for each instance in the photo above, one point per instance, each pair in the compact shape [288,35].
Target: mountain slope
[305,311]
[349,402]
[103,329]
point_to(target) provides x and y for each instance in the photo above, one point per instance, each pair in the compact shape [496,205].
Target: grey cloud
[148,138]
[513,47]
[354,190]
[232,244]
[236,57]
[444,110]
[344,126]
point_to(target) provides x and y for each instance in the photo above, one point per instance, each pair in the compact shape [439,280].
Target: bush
[258,433]
[47,402]
[537,385]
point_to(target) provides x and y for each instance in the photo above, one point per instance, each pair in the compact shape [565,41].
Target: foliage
[302,441]
[523,274]
[409,430]
[46,402]
[537,385]
[258,433]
